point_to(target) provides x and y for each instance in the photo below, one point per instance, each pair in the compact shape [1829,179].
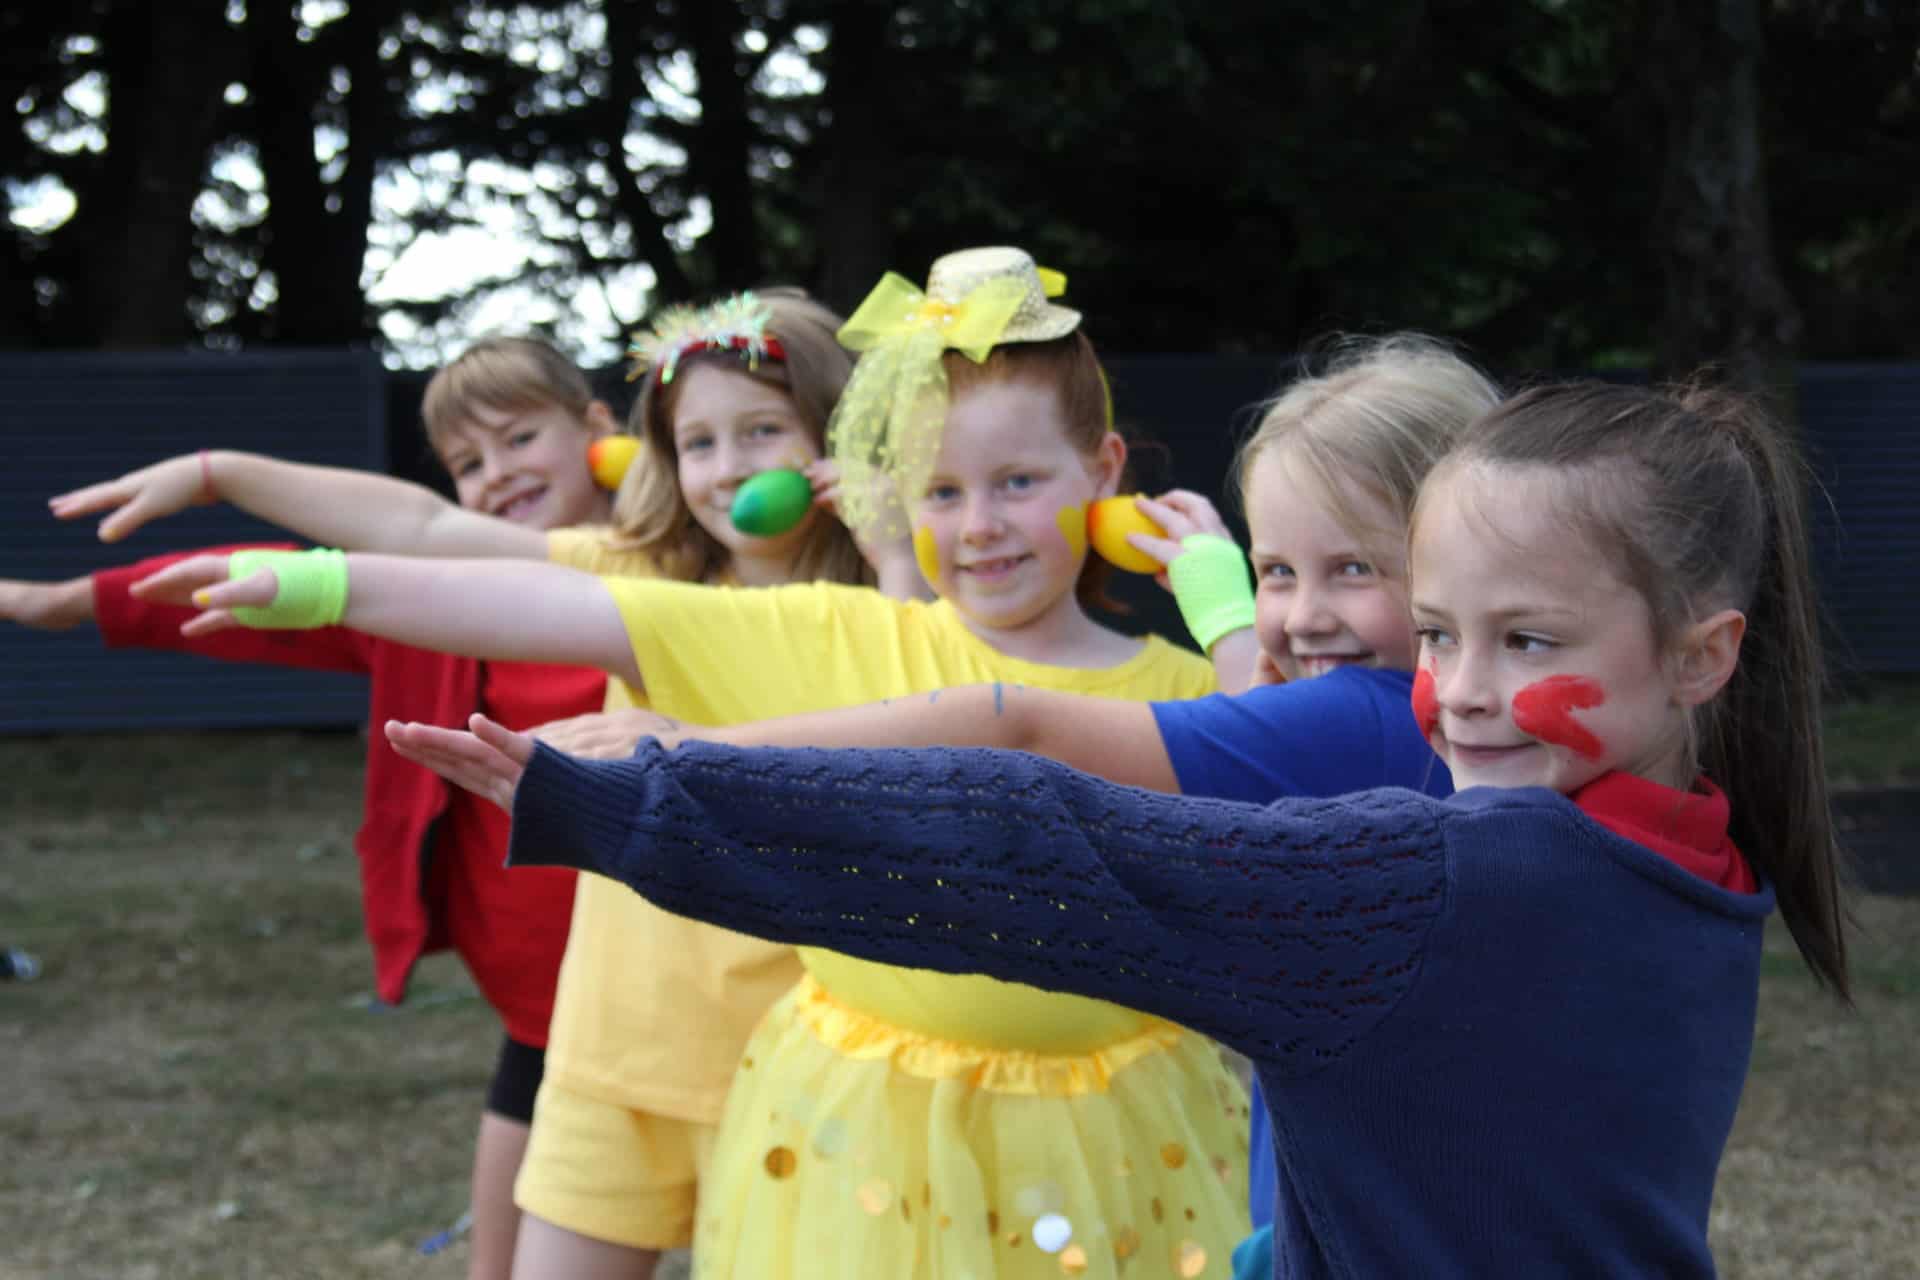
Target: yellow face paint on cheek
[1073,527]
[926,554]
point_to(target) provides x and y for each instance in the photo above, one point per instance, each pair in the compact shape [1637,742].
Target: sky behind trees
[1557,183]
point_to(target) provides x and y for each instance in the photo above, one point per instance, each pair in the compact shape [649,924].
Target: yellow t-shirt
[723,656]
[652,1010]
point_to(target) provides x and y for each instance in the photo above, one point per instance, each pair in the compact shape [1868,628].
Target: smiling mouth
[518,505]
[1463,753]
[997,567]
[1328,661]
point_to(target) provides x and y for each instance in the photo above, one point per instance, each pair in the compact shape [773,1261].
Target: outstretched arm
[1269,928]
[503,610]
[1108,737]
[333,506]
[47,606]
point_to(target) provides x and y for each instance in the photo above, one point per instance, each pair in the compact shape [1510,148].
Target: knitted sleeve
[1287,931]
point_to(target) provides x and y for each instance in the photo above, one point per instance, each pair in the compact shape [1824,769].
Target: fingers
[257,589]
[205,624]
[457,756]
[517,747]
[102,497]
[1183,513]
[176,583]
[1162,549]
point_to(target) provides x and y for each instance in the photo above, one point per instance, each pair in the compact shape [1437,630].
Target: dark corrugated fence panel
[71,418]
[1862,425]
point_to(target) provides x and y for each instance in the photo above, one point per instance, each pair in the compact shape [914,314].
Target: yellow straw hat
[885,432]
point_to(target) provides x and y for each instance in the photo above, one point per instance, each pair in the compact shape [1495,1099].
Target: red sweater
[426,884]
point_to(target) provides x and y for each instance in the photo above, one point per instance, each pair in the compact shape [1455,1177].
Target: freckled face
[988,529]
[1324,600]
[1538,666]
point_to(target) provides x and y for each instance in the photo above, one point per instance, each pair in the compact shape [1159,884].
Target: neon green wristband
[313,588]
[1210,584]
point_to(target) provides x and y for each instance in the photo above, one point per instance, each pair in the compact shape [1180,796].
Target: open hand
[139,496]
[202,580]
[488,760]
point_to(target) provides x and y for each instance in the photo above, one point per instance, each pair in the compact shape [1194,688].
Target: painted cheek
[926,554]
[1426,703]
[1544,710]
[1073,527]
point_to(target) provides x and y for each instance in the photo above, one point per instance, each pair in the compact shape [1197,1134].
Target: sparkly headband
[737,323]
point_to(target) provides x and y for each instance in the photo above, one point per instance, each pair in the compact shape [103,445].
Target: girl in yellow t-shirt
[634,1087]
[891,1122]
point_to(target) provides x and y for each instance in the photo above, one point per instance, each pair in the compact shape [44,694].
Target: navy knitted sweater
[1496,1038]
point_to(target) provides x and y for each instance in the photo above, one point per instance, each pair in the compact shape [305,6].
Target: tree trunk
[720,160]
[648,228]
[164,83]
[1725,303]
[855,235]
[316,255]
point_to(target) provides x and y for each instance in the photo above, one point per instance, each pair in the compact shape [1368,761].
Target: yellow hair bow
[971,326]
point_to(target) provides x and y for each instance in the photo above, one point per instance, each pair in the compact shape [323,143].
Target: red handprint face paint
[1426,703]
[1544,710]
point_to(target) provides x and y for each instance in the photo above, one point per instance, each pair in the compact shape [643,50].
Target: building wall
[70,419]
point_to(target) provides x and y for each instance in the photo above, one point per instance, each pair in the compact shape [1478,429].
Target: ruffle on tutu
[832,1164]
[860,1036]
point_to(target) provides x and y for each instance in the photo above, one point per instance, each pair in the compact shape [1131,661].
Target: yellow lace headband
[885,432]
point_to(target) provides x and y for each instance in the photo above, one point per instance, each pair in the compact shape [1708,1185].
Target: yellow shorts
[611,1173]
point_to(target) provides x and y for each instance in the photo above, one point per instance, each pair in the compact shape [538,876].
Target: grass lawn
[198,1086]
[1873,734]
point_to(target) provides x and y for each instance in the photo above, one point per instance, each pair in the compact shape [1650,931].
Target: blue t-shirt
[1350,729]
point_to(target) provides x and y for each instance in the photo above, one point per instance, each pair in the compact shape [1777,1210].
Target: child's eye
[942,492]
[1019,482]
[463,466]
[1433,637]
[694,444]
[1524,642]
[520,439]
[764,429]
[1276,572]
[1354,569]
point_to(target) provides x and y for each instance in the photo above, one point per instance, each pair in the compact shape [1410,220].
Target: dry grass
[198,1088]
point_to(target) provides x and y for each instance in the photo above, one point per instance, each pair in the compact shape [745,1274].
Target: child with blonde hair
[1503,1033]
[887,1121]
[629,1097]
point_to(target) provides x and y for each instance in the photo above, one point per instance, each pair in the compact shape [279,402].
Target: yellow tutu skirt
[853,1146]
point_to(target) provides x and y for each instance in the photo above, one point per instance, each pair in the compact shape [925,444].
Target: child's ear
[1109,464]
[599,420]
[1707,653]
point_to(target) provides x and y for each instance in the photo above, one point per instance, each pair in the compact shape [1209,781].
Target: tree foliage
[1557,182]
